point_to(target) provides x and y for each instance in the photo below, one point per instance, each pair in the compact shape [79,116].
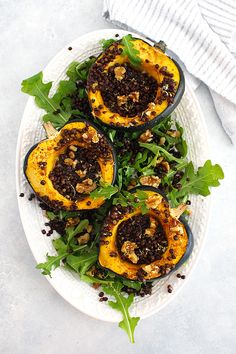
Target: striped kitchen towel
[201,32]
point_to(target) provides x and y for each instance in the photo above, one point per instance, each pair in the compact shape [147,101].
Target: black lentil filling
[65,177]
[133,81]
[149,248]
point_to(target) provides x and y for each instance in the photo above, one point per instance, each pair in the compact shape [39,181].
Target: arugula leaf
[156,149]
[198,183]
[122,304]
[34,86]
[125,198]
[105,43]
[51,263]
[60,246]
[130,51]
[106,191]
[132,284]
[73,231]
[82,263]
[79,70]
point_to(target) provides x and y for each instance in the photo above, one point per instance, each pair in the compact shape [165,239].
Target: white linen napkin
[201,32]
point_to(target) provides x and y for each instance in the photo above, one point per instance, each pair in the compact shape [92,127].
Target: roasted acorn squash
[134,98]
[145,247]
[64,168]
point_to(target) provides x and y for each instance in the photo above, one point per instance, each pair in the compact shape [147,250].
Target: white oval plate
[67,284]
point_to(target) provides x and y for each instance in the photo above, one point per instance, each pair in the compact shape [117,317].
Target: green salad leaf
[199,182]
[130,51]
[122,304]
[51,263]
[105,43]
[106,191]
[82,262]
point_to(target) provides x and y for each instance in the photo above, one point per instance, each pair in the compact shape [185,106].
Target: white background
[34,319]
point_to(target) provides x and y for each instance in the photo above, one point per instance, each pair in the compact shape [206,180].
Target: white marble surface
[34,318]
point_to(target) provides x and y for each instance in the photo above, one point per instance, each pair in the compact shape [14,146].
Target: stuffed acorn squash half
[134,95]
[145,246]
[67,166]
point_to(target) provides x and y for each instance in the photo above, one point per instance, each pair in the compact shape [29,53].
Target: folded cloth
[201,32]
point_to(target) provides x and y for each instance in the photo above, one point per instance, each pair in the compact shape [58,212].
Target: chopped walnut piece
[173,133]
[153,181]
[69,161]
[166,166]
[86,186]
[119,73]
[121,100]
[83,239]
[150,231]
[90,136]
[73,148]
[72,221]
[134,96]
[81,173]
[162,140]
[132,184]
[128,250]
[89,228]
[146,137]
[151,269]
[176,212]
[153,201]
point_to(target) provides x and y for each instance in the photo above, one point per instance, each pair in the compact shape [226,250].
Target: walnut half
[153,181]
[128,250]
[85,186]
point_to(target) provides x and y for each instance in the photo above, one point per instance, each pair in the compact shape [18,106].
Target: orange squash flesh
[47,152]
[171,226]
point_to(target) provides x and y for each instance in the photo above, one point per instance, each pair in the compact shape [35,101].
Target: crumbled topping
[83,239]
[150,231]
[134,96]
[90,136]
[153,181]
[176,212]
[81,173]
[173,133]
[69,162]
[146,137]
[151,269]
[162,140]
[121,100]
[153,201]
[128,250]
[86,186]
[119,73]
[73,148]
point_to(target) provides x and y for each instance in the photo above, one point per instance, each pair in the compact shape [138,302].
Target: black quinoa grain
[178,275]
[148,249]
[188,202]
[101,294]
[183,276]
[21,195]
[43,232]
[69,48]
